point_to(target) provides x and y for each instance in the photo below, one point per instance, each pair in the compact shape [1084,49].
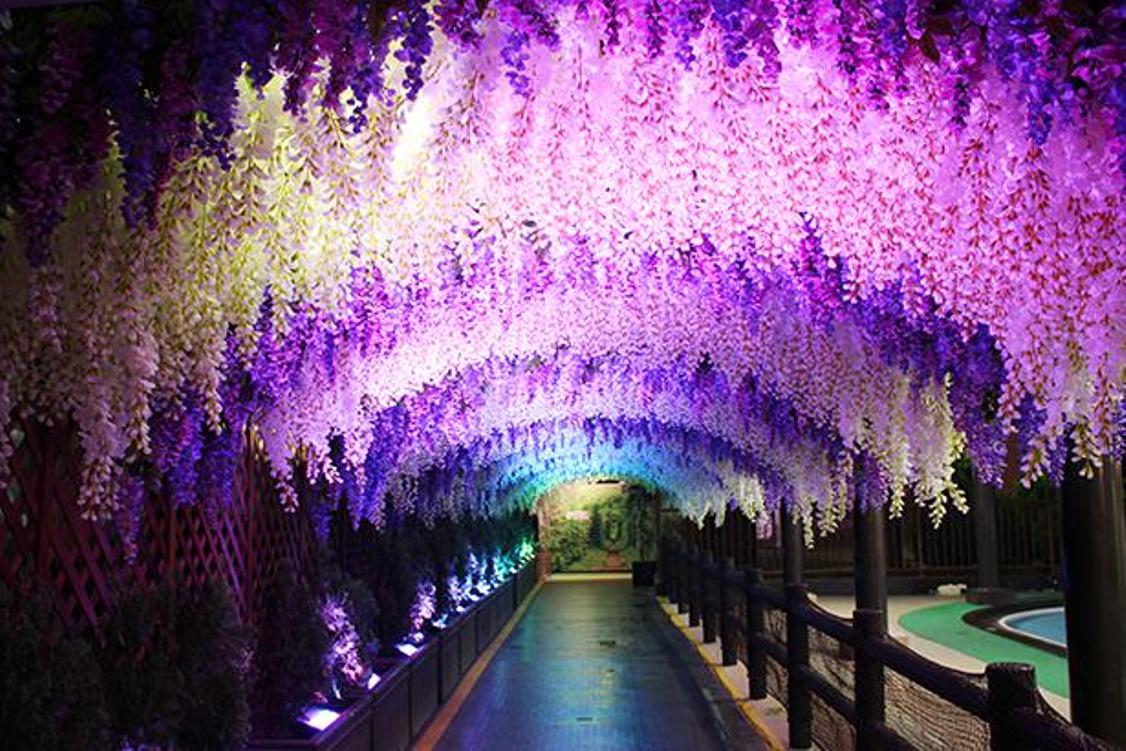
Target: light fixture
[318,718]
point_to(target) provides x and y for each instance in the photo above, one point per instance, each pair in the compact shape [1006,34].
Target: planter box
[450,668]
[390,717]
[485,617]
[506,600]
[411,690]
[425,675]
[468,638]
[350,732]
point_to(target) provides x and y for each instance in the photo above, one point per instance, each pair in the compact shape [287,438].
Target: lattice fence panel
[43,538]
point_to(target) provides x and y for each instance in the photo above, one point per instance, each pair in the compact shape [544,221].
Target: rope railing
[1005,698]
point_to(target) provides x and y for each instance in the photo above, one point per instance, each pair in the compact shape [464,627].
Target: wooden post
[868,678]
[678,575]
[1011,686]
[792,546]
[742,543]
[1094,582]
[752,544]
[709,601]
[756,627]
[726,640]
[695,589]
[985,535]
[799,706]
[870,560]
[869,618]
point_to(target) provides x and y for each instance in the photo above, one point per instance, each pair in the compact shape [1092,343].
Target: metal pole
[1094,581]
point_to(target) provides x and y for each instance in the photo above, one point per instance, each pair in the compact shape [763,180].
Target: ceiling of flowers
[456,253]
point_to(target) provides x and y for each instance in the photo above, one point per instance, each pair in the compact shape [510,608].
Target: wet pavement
[597,665]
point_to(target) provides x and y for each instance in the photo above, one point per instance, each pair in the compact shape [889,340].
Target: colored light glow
[407,649]
[373,681]
[344,654]
[424,606]
[318,718]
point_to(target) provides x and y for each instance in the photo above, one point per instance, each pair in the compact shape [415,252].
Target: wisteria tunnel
[350,350]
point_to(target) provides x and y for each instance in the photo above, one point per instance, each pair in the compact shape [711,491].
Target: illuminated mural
[598,526]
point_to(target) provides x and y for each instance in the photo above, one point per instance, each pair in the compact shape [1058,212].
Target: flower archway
[755,251]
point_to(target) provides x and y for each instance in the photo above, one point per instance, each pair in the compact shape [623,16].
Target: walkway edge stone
[745,705]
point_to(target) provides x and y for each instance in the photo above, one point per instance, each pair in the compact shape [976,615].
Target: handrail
[1049,734]
[830,694]
[950,684]
[828,624]
[1010,704]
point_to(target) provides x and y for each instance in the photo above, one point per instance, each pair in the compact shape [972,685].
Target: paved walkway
[597,665]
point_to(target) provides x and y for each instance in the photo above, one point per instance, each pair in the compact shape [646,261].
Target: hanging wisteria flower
[729,249]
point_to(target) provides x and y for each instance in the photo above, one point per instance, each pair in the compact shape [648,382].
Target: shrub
[137,657]
[363,610]
[212,658]
[173,666]
[288,659]
[50,688]
[394,585]
[443,552]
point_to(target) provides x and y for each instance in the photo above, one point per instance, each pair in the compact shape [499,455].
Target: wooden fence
[44,540]
[1028,541]
[845,683]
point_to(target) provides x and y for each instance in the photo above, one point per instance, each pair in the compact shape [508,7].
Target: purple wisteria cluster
[160,77]
[666,258]
[448,440]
